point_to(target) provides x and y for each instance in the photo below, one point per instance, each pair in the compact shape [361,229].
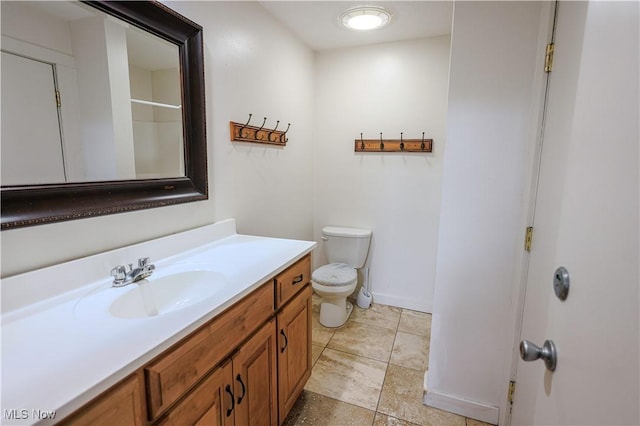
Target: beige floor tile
[472,422]
[415,322]
[380,315]
[348,378]
[364,340]
[411,351]
[402,395]
[316,350]
[320,335]
[348,381]
[318,410]
[384,420]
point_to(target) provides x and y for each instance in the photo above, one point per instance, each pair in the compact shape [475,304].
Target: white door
[31,141]
[587,220]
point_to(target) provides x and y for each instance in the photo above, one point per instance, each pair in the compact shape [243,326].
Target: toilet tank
[346,245]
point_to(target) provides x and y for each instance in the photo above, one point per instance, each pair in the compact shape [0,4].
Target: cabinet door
[254,378]
[294,351]
[211,403]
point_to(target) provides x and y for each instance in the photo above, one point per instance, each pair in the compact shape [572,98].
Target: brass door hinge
[512,390]
[58,104]
[548,58]
[528,237]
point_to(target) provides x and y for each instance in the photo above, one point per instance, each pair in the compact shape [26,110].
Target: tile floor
[370,371]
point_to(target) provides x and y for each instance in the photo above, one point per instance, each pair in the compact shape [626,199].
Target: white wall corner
[463,407]
[405,302]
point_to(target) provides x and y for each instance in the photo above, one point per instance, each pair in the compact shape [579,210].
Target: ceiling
[317,22]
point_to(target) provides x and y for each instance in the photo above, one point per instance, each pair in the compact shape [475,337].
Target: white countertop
[60,352]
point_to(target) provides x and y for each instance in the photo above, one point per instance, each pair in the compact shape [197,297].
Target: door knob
[532,352]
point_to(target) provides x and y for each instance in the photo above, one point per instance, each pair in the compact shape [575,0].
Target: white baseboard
[463,407]
[402,302]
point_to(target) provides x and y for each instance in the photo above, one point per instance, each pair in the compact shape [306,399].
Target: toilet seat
[335,275]
[334,282]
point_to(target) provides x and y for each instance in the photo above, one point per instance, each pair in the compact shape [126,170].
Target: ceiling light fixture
[363,18]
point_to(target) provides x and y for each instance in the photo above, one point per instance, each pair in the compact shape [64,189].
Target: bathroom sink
[169,289]
[157,296]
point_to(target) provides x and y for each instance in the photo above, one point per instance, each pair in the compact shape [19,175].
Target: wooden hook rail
[393,145]
[247,133]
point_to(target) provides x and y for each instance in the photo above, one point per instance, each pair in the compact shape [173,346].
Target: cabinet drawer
[292,280]
[176,371]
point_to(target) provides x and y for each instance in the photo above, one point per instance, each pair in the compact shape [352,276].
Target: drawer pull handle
[244,389]
[233,400]
[286,341]
[298,279]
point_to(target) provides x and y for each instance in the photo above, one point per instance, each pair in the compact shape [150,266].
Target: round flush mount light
[363,18]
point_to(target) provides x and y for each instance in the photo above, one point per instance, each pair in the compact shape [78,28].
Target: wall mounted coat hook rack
[393,145]
[247,133]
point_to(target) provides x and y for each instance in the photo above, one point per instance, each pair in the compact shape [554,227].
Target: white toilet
[346,250]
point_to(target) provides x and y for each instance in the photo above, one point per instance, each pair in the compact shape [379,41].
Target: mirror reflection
[86,97]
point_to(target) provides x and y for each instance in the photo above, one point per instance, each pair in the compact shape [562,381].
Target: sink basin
[169,289]
[161,295]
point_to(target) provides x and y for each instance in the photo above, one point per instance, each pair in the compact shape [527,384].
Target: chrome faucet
[122,277]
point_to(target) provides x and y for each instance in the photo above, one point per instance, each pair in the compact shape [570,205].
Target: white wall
[494,99]
[389,88]
[35,27]
[252,65]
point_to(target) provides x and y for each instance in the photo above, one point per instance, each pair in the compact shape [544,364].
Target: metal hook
[422,144]
[263,122]
[361,142]
[284,135]
[381,143]
[243,127]
[271,132]
[401,143]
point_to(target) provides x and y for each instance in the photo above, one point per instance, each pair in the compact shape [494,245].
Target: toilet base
[334,312]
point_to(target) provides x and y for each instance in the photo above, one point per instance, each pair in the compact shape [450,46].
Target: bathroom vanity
[239,354]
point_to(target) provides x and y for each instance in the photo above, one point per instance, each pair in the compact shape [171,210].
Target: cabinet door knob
[244,389]
[233,400]
[286,341]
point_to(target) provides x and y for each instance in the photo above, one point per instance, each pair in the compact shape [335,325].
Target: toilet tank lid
[343,231]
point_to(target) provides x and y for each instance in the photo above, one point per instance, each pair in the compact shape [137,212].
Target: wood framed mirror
[41,203]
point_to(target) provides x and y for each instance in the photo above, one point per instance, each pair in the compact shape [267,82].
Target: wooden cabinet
[294,353]
[120,405]
[246,366]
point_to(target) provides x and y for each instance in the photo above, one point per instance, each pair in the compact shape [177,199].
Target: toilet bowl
[334,283]
[346,250]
